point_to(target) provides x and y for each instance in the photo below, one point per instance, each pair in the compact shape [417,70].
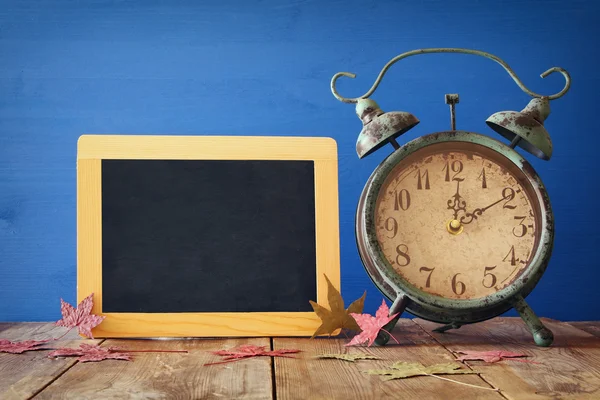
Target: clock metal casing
[437,308]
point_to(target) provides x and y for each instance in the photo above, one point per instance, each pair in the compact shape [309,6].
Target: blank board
[206,235]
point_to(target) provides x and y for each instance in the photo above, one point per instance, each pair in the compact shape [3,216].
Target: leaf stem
[463,383]
[147,351]
[520,360]
[63,335]
[228,360]
[392,336]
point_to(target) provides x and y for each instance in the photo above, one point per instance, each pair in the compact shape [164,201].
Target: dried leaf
[349,357]
[402,370]
[91,353]
[490,356]
[371,325]
[6,346]
[250,350]
[79,317]
[336,317]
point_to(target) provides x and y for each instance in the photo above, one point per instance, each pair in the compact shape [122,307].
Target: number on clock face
[457,220]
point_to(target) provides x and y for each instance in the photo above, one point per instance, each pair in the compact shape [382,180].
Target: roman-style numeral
[493,278]
[508,194]
[456,167]
[482,177]
[458,287]
[401,200]
[521,229]
[430,270]
[391,225]
[402,252]
[422,179]
[511,254]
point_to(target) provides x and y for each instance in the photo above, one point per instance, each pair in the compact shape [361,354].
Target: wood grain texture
[138,325]
[134,147]
[89,232]
[168,375]
[592,327]
[570,368]
[310,378]
[93,148]
[23,375]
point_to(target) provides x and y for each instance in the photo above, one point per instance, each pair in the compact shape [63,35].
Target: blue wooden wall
[263,68]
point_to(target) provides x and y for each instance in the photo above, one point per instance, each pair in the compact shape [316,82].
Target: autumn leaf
[6,346]
[401,370]
[250,350]
[491,356]
[79,317]
[336,317]
[372,325]
[91,353]
[349,357]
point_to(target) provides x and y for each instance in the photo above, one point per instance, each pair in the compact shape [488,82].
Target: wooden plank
[23,375]
[168,375]
[311,378]
[570,368]
[202,147]
[592,327]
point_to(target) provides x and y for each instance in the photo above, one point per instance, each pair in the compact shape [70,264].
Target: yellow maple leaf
[337,317]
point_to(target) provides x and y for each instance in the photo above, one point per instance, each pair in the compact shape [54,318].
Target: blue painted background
[263,68]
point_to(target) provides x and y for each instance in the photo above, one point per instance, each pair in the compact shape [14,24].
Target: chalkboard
[174,229]
[206,236]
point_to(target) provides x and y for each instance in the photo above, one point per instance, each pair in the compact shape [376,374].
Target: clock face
[457,220]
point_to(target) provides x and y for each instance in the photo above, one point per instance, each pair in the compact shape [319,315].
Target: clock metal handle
[512,74]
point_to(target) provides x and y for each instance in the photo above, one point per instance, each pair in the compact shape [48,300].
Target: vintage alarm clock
[456,227]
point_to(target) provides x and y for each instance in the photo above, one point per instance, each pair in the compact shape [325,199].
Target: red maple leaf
[79,317]
[491,356]
[6,346]
[250,350]
[372,325]
[91,352]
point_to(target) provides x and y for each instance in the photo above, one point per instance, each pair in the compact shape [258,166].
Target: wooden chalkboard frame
[92,149]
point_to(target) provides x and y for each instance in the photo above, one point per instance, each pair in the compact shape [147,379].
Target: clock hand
[457,202]
[469,217]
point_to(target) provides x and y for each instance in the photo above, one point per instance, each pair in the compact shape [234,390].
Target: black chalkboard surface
[208,235]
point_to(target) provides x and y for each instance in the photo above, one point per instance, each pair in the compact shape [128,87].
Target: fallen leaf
[336,317]
[349,357]
[6,346]
[371,325]
[91,352]
[401,370]
[490,356]
[250,350]
[79,317]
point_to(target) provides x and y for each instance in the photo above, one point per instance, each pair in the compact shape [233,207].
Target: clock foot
[397,307]
[541,335]
[453,325]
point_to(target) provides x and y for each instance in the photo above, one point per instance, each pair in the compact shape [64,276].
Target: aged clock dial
[457,220]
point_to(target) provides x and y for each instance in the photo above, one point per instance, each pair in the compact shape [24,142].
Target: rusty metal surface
[379,128]
[436,308]
[452,100]
[541,335]
[528,125]
[492,57]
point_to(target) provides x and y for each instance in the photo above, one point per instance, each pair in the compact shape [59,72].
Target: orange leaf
[336,317]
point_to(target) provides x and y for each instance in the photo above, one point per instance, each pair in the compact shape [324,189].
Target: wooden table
[568,369]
